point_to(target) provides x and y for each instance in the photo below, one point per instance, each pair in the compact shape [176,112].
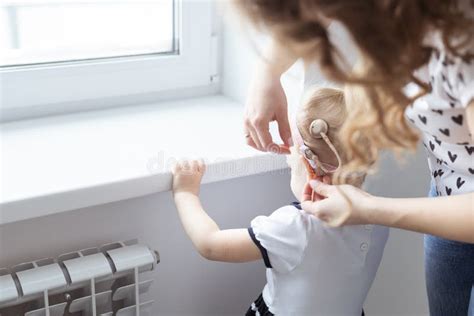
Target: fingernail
[314,183]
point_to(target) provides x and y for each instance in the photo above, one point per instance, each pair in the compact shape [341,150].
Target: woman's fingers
[258,136]
[310,207]
[341,204]
[310,195]
[323,210]
[317,208]
[261,128]
[321,188]
[249,140]
[284,150]
[307,193]
[284,129]
[263,134]
[252,136]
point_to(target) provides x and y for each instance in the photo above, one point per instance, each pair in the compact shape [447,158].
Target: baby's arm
[232,245]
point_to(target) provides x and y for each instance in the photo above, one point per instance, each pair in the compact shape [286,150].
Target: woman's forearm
[450,217]
[197,224]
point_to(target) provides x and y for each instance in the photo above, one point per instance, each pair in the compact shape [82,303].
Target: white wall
[185,284]
[399,288]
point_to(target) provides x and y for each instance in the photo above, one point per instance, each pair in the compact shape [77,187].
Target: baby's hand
[187,176]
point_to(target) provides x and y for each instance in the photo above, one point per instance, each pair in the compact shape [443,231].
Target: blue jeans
[449,269]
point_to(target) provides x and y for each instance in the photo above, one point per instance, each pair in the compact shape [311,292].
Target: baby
[312,269]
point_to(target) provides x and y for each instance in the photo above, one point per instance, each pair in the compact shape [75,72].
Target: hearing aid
[318,127]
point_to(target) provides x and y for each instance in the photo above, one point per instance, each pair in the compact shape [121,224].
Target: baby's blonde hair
[328,104]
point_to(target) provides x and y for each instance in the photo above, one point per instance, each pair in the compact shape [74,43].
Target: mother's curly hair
[390,37]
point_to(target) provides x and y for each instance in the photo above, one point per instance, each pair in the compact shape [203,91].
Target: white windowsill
[57,164]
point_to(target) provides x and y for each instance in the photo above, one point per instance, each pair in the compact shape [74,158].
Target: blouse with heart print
[441,117]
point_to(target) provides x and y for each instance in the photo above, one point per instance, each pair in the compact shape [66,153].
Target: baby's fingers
[201,165]
[189,167]
[197,166]
[181,167]
[176,168]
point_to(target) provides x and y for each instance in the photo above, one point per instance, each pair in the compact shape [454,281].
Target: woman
[427,44]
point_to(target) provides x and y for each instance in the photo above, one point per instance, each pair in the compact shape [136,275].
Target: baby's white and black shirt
[310,266]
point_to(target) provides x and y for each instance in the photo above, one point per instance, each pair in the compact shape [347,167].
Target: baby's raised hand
[187,176]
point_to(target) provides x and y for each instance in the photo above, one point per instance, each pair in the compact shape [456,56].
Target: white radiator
[104,281]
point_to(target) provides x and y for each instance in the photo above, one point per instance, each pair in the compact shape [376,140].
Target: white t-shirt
[441,117]
[313,269]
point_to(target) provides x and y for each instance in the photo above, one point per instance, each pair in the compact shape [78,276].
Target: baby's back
[317,270]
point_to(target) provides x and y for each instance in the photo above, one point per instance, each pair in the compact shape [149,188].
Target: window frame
[26,91]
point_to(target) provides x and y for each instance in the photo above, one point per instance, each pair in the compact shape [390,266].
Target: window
[58,55]
[41,31]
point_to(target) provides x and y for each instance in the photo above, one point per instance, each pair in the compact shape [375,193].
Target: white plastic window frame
[26,91]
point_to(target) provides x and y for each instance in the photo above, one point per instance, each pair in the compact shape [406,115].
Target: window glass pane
[41,31]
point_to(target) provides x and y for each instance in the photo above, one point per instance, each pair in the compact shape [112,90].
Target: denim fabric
[449,269]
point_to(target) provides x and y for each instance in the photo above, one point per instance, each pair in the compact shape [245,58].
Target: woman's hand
[187,176]
[450,217]
[339,204]
[266,102]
